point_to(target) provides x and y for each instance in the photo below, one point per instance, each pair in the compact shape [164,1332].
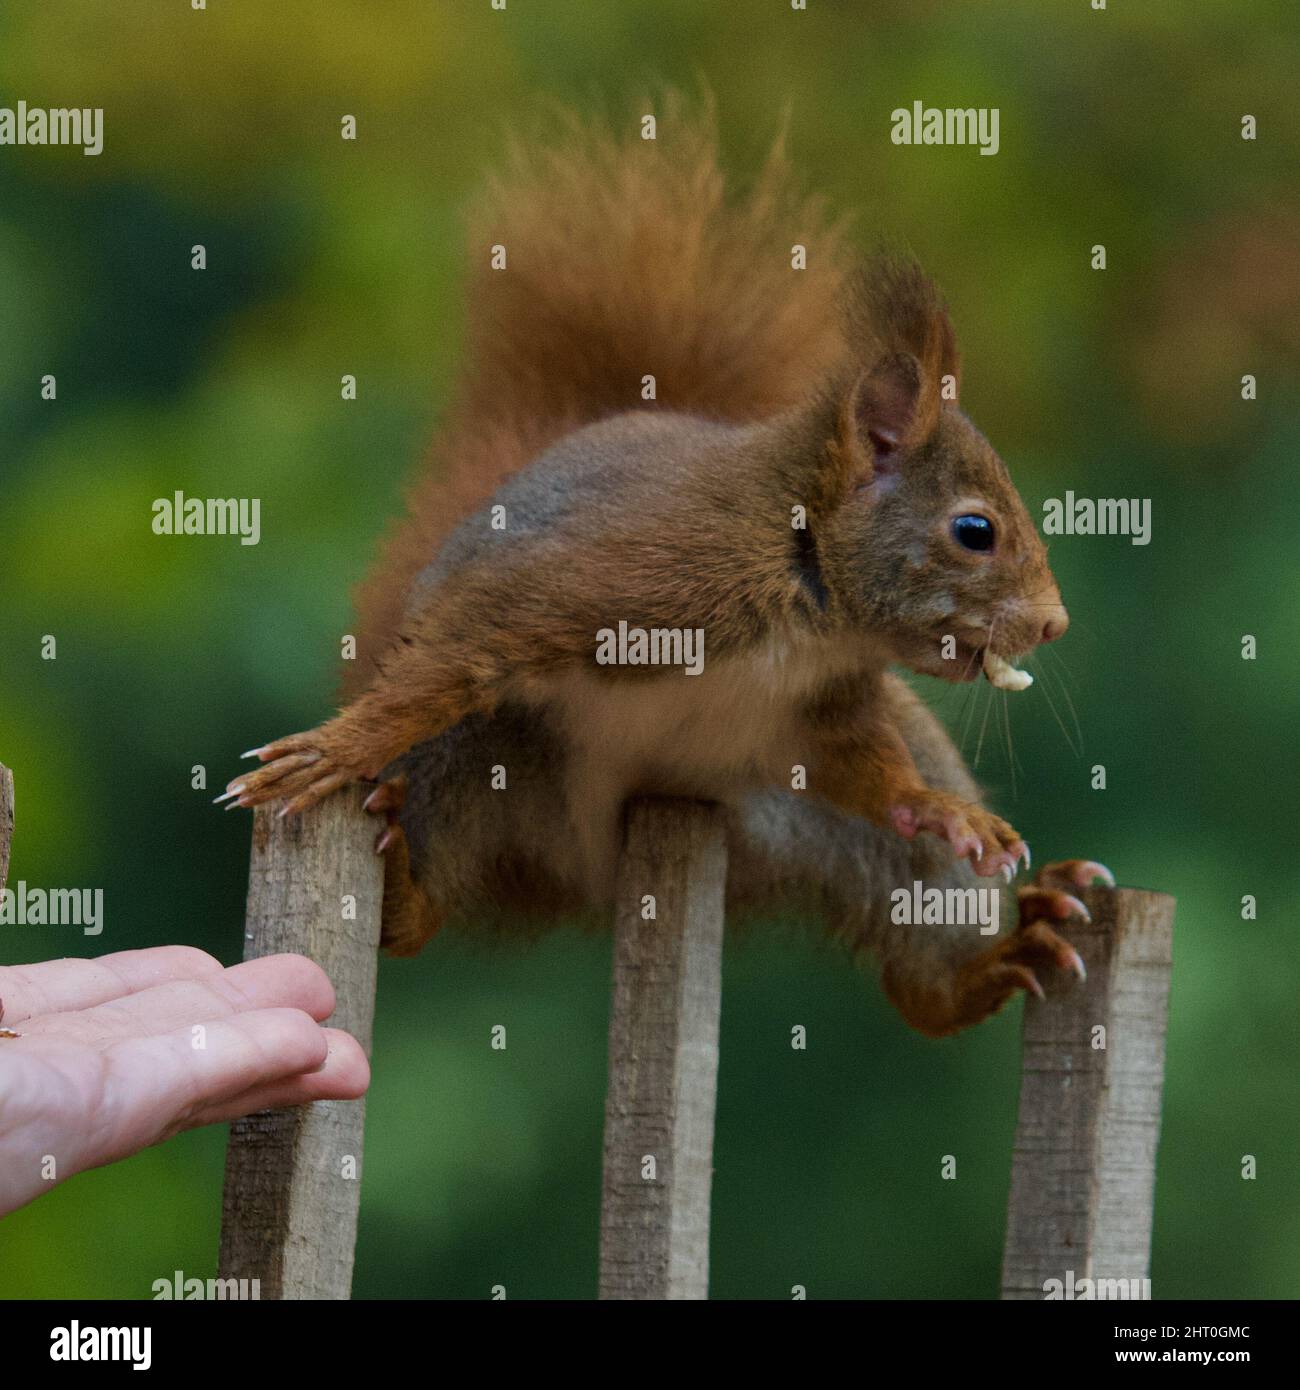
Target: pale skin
[106,1063]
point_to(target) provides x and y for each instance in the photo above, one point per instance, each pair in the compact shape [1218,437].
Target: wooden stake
[663,1053]
[6,821]
[289,1213]
[1083,1170]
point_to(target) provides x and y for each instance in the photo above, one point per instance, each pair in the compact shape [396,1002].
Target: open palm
[122,1052]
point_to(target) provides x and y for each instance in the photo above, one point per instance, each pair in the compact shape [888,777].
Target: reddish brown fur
[842,371]
[684,280]
[776,389]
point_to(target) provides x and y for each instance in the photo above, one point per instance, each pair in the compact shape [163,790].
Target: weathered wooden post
[1083,1171]
[663,1053]
[6,821]
[293,1177]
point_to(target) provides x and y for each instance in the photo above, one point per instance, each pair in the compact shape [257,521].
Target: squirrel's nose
[1058,620]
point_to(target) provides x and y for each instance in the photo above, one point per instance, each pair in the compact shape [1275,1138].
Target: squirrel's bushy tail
[625,258]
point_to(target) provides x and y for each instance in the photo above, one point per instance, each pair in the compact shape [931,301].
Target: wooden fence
[293,1177]
[6,820]
[1083,1163]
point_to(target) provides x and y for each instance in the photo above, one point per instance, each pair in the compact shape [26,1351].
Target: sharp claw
[1099,871]
[284,810]
[1034,987]
[1076,907]
[386,839]
[1028,861]
[1077,965]
[255,752]
[225,796]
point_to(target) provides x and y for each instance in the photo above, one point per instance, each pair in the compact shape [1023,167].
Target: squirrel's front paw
[302,769]
[974,833]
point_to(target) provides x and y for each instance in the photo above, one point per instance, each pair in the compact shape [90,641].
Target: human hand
[118,1053]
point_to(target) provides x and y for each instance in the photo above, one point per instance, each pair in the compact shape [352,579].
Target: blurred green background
[222,127]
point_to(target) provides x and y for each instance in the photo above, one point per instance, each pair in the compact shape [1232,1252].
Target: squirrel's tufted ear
[900,332]
[894,406]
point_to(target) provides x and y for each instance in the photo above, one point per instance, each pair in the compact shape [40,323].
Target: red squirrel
[666,431]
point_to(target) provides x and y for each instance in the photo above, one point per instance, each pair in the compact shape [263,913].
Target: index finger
[55,986]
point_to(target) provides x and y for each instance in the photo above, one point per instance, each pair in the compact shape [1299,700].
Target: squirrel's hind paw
[299,769]
[1048,899]
[410,917]
[1020,961]
[1071,874]
[387,800]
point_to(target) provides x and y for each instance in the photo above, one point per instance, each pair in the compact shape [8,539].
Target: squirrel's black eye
[973,531]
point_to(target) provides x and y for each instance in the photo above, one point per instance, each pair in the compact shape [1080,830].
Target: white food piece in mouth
[1004,675]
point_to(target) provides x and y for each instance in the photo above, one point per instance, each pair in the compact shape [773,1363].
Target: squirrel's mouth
[964,664]
[1000,672]
[972,661]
